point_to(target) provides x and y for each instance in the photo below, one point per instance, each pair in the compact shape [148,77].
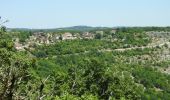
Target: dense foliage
[99,69]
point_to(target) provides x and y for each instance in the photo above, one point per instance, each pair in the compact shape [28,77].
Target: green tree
[98,36]
[14,68]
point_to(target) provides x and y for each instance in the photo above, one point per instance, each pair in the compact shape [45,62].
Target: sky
[65,13]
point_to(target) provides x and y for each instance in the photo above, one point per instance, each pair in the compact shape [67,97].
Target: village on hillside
[40,38]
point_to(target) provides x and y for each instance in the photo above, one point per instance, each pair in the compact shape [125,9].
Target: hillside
[129,63]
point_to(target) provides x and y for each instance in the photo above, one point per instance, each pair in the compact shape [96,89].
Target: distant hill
[74,28]
[83,28]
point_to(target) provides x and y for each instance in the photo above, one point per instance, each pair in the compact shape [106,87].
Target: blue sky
[63,13]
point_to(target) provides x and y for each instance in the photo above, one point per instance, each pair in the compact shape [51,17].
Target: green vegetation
[85,69]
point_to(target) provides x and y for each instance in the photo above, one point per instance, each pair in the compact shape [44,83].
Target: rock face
[157,34]
[17,45]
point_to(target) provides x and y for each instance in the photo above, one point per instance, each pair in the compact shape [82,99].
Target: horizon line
[87,26]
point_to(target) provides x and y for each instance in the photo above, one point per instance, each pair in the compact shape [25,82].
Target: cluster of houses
[40,38]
